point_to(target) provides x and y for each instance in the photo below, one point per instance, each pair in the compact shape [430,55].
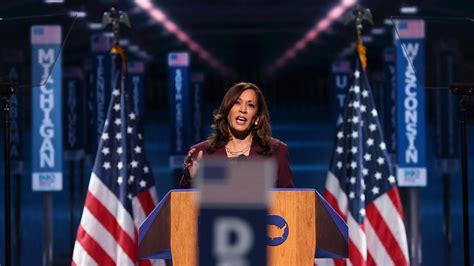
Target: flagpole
[464,90]
[6,90]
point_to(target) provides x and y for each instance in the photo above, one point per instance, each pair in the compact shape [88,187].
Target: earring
[256,123]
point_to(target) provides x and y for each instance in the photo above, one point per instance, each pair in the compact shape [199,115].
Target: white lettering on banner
[179,126]
[100,87]
[46,98]
[341,98]
[46,59]
[341,81]
[411,102]
[229,252]
[178,83]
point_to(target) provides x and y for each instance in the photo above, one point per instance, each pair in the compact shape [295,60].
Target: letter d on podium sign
[233,215]
[411,155]
[47,126]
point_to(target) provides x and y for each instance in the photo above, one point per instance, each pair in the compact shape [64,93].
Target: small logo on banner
[46,35]
[412,176]
[178,59]
[411,29]
[101,43]
[278,230]
[136,67]
[341,67]
[47,181]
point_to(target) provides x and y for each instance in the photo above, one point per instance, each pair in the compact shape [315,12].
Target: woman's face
[244,110]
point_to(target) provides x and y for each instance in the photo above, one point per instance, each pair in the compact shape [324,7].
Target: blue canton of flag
[121,191]
[361,185]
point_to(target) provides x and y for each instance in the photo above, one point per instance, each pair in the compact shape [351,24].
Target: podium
[301,226]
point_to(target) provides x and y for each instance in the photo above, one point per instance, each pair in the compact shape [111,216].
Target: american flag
[361,186]
[46,34]
[178,59]
[410,28]
[121,190]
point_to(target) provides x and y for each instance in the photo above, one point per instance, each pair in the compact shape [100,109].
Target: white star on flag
[106,165]
[105,150]
[138,149]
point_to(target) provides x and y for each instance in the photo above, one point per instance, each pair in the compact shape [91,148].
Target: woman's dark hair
[262,132]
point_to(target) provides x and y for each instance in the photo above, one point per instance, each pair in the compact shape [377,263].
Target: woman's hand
[191,163]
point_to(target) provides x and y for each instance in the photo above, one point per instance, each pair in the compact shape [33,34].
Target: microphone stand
[6,90]
[464,90]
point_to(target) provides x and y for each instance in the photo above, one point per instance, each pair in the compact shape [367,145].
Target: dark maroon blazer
[279,154]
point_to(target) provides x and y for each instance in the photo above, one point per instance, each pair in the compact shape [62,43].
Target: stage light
[124,42]
[378,31]
[170,27]
[367,38]
[409,9]
[322,25]
[133,48]
[94,26]
[77,14]
[53,1]
[388,22]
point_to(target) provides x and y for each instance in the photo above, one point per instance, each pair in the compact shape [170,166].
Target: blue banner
[341,72]
[14,60]
[101,44]
[390,124]
[178,64]
[446,107]
[74,113]
[136,83]
[90,136]
[47,150]
[379,93]
[197,80]
[411,150]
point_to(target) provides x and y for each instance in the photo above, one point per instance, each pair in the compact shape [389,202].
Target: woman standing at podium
[241,129]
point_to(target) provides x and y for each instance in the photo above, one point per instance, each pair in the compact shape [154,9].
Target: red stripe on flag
[144,262]
[355,256]
[93,248]
[332,200]
[73,263]
[395,198]
[370,259]
[107,220]
[146,201]
[340,262]
[385,234]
